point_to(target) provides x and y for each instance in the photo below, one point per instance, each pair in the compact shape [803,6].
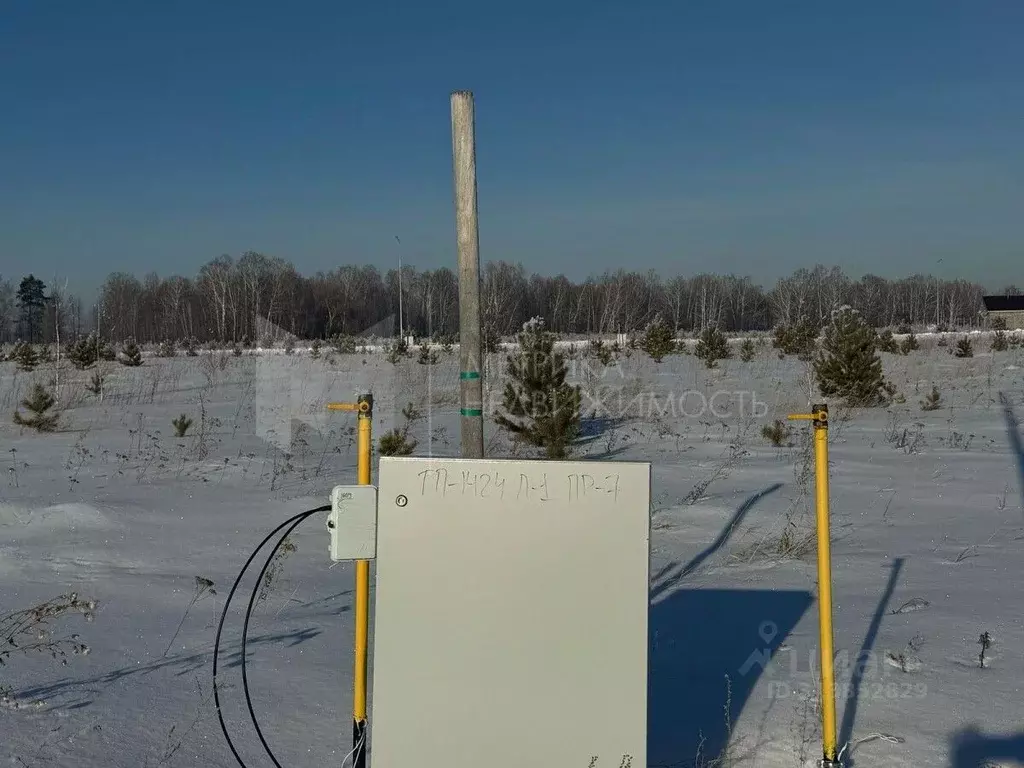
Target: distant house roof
[1004,303]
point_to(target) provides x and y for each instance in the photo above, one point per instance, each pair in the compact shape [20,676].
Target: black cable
[245,636]
[227,603]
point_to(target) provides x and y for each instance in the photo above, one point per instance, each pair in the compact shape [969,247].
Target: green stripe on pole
[471,412]
[469,375]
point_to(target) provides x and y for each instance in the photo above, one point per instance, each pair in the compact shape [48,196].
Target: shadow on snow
[866,649]
[970,749]
[708,648]
[1014,438]
[182,664]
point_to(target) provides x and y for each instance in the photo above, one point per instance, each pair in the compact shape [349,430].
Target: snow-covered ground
[927,523]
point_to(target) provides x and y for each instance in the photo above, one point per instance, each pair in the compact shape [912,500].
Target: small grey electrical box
[353,522]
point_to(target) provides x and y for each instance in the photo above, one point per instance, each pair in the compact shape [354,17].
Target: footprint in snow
[916,604]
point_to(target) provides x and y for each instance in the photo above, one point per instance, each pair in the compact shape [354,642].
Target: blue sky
[753,137]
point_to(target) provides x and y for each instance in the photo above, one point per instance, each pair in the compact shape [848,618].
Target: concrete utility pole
[468,237]
[401,326]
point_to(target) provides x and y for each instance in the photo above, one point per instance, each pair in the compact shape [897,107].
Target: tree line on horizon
[234,300]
